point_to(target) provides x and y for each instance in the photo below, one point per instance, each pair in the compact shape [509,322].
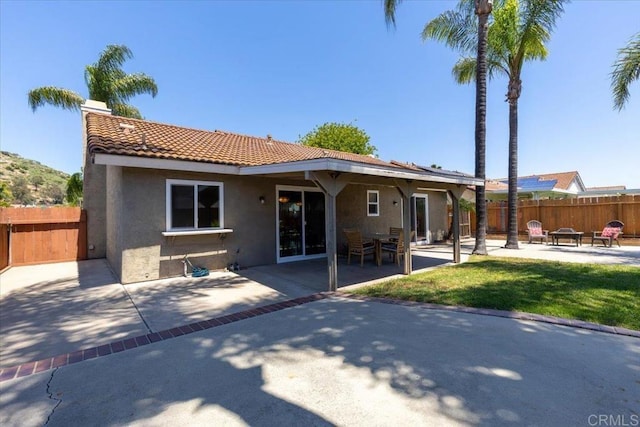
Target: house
[155,193]
[545,186]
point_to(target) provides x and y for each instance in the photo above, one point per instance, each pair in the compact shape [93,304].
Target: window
[194,205]
[373,203]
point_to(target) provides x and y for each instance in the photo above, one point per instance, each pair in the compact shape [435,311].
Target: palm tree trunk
[483,9]
[515,86]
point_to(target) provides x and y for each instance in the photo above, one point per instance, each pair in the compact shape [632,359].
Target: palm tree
[518,33]
[482,8]
[106,81]
[625,70]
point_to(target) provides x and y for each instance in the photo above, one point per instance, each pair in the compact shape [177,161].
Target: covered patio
[332,175]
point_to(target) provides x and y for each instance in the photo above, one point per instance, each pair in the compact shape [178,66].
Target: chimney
[90,106]
[269,136]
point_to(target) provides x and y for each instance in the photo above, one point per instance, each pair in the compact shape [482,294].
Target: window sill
[221,231]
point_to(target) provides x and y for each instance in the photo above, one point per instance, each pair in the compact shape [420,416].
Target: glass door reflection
[290,218]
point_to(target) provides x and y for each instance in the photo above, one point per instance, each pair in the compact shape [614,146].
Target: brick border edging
[519,315]
[30,368]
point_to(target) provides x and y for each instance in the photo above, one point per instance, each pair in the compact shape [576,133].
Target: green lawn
[608,295]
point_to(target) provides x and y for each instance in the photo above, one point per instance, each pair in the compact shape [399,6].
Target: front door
[421,218]
[301,227]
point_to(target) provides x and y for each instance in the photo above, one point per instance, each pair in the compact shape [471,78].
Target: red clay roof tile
[132,137]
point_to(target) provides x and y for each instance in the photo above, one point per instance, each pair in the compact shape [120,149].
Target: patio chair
[357,246]
[395,248]
[394,232]
[534,228]
[609,234]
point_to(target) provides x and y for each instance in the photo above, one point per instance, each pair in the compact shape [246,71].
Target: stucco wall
[135,203]
[351,211]
[113,215]
[148,255]
[438,218]
[94,202]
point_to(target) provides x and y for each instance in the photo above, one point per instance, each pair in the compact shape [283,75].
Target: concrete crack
[51,396]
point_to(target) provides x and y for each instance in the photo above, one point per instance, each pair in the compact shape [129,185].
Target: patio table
[566,233]
[378,240]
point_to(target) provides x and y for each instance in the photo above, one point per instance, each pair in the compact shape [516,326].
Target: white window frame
[195,185]
[376,203]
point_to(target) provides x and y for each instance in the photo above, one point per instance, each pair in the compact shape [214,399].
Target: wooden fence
[40,235]
[584,214]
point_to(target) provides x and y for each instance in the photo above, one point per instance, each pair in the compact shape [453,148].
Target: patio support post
[406,189]
[455,194]
[331,185]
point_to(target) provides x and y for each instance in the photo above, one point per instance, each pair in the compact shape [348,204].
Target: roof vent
[269,136]
[127,128]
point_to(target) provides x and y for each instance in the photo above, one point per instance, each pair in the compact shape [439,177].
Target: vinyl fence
[40,235]
[584,214]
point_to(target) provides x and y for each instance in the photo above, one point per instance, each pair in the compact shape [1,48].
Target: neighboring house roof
[562,182]
[491,185]
[564,179]
[139,143]
[608,188]
[132,137]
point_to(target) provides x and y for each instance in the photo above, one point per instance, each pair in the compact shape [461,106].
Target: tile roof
[562,180]
[132,137]
[491,185]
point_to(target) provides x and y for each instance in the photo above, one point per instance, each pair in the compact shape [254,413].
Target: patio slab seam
[34,367]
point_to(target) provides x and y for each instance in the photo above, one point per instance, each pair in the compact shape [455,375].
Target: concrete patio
[57,308]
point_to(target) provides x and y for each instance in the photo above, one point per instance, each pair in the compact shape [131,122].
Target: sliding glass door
[301,228]
[421,218]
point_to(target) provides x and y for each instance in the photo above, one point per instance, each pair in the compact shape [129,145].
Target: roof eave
[334,165]
[168,164]
[347,166]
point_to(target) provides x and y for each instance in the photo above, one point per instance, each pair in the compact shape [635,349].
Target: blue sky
[283,67]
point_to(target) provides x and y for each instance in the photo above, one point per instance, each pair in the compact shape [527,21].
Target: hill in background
[31,182]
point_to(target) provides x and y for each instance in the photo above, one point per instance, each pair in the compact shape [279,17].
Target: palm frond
[64,98]
[390,7]
[625,70]
[99,84]
[134,84]
[538,19]
[113,57]
[457,29]
[464,71]
[125,110]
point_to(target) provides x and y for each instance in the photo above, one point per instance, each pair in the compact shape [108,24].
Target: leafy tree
[36,181]
[518,33]
[54,193]
[339,136]
[455,28]
[106,82]
[74,189]
[6,197]
[21,192]
[625,70]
